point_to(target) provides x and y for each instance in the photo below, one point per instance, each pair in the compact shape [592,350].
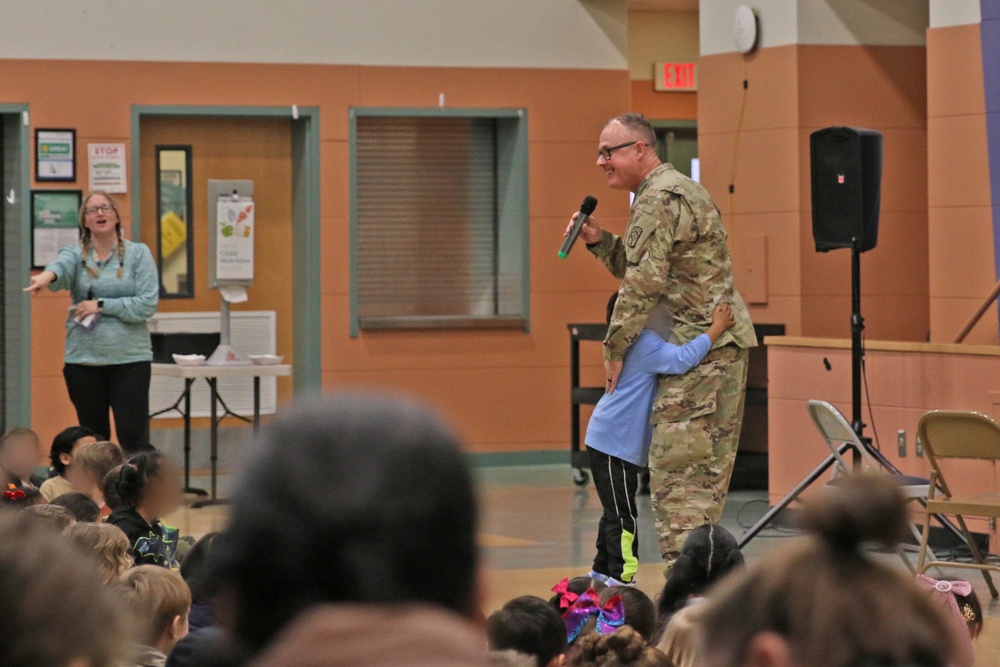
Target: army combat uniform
[674,252]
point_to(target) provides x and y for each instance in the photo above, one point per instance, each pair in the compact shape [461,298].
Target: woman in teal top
[115,289]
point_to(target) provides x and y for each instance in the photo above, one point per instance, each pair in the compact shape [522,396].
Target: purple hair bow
[610,616]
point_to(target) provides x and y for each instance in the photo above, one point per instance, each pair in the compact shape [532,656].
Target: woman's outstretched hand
[40,282]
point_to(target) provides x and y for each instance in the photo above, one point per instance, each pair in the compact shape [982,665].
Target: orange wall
[904,385]
[793,91]
[960,215]
[505,390]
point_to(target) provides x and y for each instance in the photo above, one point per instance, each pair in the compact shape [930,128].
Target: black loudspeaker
[846,183]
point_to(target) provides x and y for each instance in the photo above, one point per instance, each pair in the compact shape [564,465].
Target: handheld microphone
[586,208]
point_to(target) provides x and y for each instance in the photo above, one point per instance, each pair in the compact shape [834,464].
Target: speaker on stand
[846,168]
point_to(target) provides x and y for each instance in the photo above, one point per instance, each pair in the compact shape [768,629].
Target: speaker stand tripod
[857,358]
[857,361]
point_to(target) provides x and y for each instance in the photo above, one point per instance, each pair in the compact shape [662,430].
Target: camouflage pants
[696,428]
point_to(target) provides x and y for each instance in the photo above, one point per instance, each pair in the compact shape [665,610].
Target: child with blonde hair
[159,602]
[91,462]
[106,543]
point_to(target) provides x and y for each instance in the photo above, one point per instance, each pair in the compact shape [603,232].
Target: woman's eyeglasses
[103,208]
[605,153]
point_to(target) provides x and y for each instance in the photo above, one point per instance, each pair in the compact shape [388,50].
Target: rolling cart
[581,396]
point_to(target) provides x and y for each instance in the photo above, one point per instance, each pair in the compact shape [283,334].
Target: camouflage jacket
[674,250]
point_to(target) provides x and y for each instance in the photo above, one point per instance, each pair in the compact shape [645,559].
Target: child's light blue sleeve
[65,267]
[668,359]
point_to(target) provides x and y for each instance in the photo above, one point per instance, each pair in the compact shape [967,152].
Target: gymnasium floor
[537,527]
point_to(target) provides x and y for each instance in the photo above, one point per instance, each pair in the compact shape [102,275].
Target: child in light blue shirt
[619,433]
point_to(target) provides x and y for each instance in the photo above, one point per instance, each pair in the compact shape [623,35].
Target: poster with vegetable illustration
[234,240]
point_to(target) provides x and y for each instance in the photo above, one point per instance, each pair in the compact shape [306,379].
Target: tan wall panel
[961,258]
[874,86]
[660,36]
[955,71]
[661,104]
[772,92]
[958,161]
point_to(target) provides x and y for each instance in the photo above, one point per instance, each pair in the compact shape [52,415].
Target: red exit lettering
[676,76]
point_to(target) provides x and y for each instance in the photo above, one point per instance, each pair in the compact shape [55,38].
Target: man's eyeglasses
[605,153]
[103,208]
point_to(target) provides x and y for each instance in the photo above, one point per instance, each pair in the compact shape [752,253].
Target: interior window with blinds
[427,235]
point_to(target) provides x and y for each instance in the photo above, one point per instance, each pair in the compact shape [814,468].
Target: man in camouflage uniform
[674,254]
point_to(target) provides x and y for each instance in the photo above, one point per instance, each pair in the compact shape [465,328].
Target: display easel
[230,258]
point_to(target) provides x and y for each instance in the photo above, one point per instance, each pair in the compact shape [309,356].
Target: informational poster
[55,155]
[234,240]
[106,167]
[54,223]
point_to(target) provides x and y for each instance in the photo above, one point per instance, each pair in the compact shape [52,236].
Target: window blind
[426,217]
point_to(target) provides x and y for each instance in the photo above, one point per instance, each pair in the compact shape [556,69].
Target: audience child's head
[159,602]
[61,453]
[109,487]
[91,462]
[710,552]
[19,454]
[529,625]
[824,602]
[195,568]
[625,648]
[149,483]
[354,498]
[80,505]
[52,518]
[57,611]
[568,590]
[106,543]
[640,612]
[18,498]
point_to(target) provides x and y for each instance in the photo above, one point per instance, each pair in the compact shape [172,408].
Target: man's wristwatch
[100,305]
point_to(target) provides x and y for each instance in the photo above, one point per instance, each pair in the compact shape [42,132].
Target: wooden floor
[537,528]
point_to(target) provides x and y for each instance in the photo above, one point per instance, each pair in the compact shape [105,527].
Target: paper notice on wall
[234,240]
[106,167]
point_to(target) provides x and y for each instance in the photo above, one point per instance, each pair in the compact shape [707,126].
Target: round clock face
[745,29]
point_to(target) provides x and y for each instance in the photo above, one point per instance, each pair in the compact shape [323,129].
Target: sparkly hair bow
[610,616]
[566,596]
[954,587]
[15,494]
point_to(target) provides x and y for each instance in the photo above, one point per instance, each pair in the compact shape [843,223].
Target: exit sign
[675,76]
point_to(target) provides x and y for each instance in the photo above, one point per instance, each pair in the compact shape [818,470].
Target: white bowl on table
[189,359]
[266,359]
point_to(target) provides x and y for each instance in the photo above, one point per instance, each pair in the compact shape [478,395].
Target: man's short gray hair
[638,124]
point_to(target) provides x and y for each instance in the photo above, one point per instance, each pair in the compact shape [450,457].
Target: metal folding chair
[841,439]
[959,435]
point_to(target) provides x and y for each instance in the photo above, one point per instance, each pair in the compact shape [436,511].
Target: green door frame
[307,365]
[17,266]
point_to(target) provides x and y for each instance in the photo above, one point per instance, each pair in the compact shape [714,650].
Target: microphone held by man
[577,224]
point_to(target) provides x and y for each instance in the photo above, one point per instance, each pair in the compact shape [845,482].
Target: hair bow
[955,587]
[610,617]
[16,494]
[566,596]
